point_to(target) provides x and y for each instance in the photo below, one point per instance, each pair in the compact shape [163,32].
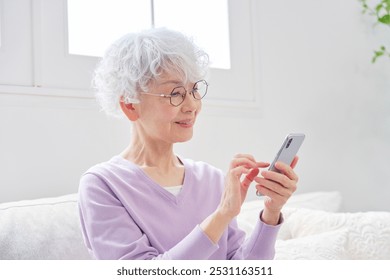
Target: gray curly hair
[134,61]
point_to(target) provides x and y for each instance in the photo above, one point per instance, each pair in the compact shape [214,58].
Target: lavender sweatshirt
[126,215]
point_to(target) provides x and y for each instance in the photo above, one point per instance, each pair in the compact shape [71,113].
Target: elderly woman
[149,203]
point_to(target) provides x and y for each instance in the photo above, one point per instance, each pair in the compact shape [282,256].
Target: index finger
[248,156]
[250,177]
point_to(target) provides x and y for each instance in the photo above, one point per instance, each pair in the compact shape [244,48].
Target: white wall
[46,143]
[316,77]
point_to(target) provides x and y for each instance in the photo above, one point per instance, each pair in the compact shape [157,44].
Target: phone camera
[288,143]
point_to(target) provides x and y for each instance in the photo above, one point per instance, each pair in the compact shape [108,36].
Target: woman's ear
[129,110]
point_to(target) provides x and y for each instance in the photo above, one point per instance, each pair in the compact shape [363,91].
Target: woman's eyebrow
[176,82]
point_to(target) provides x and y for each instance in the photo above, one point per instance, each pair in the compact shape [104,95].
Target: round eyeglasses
[178,94]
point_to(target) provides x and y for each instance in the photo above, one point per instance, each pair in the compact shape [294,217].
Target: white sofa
[40,229]
[49,228]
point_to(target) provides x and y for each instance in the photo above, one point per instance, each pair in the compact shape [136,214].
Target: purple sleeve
[260,245]
[110,232]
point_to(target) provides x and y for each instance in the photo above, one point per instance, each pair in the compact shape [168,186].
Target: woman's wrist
[215,225]
[270,217]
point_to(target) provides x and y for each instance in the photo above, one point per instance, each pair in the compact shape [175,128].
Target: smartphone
[288,150]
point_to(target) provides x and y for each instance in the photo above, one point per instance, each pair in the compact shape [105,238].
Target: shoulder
[111,169]
[103,176]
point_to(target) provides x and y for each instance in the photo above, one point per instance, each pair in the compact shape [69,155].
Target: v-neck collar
[153,184]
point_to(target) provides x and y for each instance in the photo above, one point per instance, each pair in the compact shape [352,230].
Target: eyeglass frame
[192,92]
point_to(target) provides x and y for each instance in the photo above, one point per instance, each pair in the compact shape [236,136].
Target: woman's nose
[190,104]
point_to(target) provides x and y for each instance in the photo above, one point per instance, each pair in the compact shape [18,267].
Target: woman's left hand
[278,187]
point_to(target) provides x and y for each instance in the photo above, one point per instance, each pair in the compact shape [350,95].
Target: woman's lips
[185,123]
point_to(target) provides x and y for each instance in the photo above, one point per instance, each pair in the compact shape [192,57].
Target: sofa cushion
[46,228]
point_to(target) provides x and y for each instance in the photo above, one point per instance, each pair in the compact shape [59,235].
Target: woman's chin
[183,138]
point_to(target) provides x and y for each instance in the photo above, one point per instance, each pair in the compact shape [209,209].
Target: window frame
[55,72]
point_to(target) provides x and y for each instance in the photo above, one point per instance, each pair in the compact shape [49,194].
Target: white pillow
[327,201]
[325,246]
[368,232]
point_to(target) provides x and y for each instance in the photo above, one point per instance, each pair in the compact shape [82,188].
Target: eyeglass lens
[198,92]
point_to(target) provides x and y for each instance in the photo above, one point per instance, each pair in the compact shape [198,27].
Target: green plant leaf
[378,7]
[387,5]
[385,19]
[381,12]
[376,55]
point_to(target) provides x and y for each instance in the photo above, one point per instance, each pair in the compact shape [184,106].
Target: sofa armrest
[39,229]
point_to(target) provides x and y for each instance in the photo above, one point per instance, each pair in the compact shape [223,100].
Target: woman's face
[159,120]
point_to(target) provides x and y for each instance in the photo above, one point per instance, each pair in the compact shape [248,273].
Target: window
[15,43]
[206,21]
[107,21]
[53,54]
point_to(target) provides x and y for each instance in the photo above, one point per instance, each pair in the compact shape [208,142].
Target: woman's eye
[175,94]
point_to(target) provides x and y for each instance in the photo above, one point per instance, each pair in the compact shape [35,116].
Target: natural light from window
[94,25]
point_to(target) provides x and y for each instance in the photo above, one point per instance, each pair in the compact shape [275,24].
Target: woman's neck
[150,154]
